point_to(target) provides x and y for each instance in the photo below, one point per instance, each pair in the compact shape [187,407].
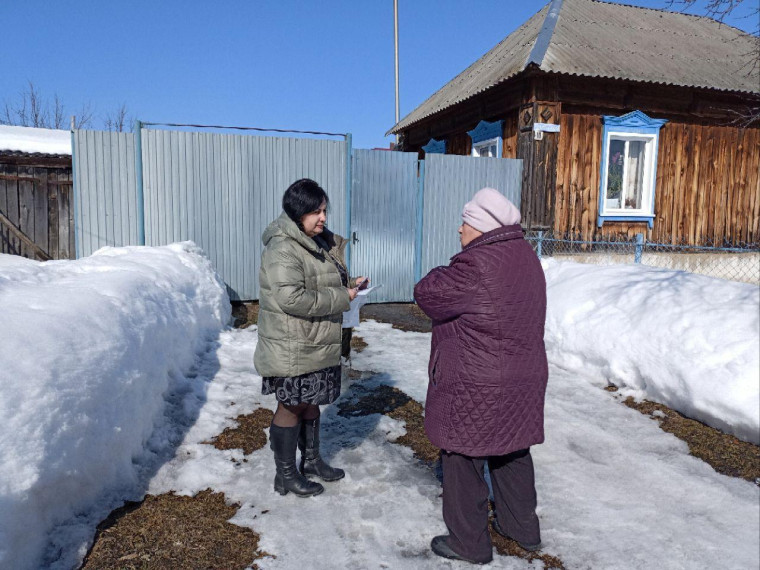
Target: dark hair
[303,197]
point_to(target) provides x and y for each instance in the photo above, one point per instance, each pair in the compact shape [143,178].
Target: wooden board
[36,200]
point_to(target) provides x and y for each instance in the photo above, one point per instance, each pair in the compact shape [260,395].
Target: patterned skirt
[316,388]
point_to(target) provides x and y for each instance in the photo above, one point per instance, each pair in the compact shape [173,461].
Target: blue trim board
[634,123]
[74,193]
[486,130]
[349,182]
[435,147]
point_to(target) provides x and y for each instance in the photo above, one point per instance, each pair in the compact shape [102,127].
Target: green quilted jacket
[301,301]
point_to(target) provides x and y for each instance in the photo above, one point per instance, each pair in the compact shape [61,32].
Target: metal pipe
[395,30]
[420,221]
[349,183]
[139,180]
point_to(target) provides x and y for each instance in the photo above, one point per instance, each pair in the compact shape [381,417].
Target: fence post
[639,247]
[420,220]
[74,190]
[349,182]
[539,249]
[139,180]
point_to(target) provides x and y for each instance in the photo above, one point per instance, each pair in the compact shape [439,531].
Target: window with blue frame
[629,168]
[486,139]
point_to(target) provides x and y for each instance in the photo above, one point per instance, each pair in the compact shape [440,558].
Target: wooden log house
[628,120]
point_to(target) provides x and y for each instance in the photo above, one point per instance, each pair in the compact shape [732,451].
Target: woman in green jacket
[304,291]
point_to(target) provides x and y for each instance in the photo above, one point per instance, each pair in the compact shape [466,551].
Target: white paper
[351,317]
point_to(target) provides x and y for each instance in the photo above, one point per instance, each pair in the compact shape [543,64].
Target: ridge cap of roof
[545,35]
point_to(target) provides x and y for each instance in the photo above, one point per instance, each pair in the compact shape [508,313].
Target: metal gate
[450,182]
[405,212]
[383,221]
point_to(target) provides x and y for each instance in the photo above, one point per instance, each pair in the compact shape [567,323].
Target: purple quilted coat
[488,368]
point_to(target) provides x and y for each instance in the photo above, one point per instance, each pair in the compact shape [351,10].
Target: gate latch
[354,239]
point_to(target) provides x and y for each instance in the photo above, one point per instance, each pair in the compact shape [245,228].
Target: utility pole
[395,29]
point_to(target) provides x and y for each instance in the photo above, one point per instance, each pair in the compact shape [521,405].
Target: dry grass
[396,404]
[415,437]
[403,316]
[508,547]
[724,453]
[248,435]
[357,343]
[171,531]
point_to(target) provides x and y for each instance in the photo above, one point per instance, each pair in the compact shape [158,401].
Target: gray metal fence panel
[450,182]
[105,192]
[384,217]
[221,191]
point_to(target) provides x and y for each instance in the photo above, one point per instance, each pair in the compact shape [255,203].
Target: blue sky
[323,65]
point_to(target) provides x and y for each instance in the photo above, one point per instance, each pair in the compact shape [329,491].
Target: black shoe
[441,547]
[523,545]
[283,441]
[311,462]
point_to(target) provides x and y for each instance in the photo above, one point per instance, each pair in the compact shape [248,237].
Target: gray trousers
[465,501]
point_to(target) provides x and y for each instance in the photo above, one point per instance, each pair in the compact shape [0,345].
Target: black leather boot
[283,441]
[311,462]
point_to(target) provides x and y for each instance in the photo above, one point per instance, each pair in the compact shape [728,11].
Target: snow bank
[89,350]
[684,340]
[31,139]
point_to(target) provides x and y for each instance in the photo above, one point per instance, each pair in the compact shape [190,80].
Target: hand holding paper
[351,317]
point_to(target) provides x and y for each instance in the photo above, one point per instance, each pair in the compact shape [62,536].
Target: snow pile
[684,340]
[89,350]
[31,139]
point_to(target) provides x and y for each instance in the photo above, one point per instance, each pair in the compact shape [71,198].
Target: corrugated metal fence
[451,181]
[406,212]
[105,190]
[384,220]
[221,191]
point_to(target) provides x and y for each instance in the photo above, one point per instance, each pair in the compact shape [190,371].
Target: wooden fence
[36,207]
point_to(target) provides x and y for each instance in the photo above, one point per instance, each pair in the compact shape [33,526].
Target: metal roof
[592,38]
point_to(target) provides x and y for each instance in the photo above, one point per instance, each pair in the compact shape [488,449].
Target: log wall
[707,189]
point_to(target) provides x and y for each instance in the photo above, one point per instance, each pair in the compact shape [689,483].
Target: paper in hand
[351,317]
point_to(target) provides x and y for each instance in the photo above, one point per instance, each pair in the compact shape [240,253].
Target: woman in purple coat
[488,373]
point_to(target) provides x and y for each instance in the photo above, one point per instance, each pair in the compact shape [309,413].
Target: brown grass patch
[393,402]
[403,316]
[415,437]
[357,343]
[724,453]
[171,531]
[245,314]
[508,547]
[248,435]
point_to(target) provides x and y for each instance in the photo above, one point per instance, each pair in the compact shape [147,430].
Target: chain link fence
[738,262]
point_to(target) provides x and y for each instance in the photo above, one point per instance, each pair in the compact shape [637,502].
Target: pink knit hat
[488,210]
